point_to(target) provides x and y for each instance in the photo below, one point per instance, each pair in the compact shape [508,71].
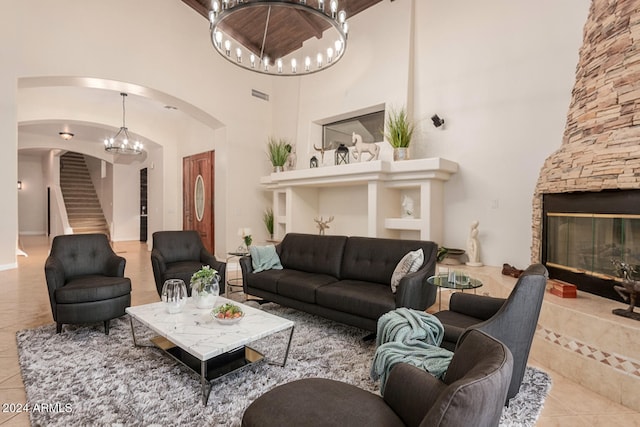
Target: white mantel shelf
[359,173]
[296,196]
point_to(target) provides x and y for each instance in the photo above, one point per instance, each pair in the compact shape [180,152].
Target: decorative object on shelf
[629,290]
[450,256]
[277,153]
[473,246]
[245,234]
[323,224]
[291,158]
[364,147]
[399,131]
[321,150]
[174,295]
[342,155]
[267,218]
[205,287]
[407,207]
[263,51]
[313,163]
[121,142]
[437,121]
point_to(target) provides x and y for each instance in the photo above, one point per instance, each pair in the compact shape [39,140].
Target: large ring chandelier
[323,48]
[121,142]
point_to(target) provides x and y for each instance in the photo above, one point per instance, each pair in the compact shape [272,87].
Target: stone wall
[601,143]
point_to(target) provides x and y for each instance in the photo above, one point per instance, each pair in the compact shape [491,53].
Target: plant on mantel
[399,131]
[278,151]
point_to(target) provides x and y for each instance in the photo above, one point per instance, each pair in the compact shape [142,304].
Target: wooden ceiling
[288,28]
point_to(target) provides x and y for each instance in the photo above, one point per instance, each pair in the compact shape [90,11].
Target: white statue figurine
[473,246]
[407,207]
[364,147]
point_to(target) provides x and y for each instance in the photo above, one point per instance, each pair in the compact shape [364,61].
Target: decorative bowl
[227,314]
[229,321]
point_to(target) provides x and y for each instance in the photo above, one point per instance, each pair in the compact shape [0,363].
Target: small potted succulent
[205,287]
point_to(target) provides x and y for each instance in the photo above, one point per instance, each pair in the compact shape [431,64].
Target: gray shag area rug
[84,377]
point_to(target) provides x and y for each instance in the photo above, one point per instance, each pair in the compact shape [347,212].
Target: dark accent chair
[512,321]
[472,393]
[86,280]
[179,254]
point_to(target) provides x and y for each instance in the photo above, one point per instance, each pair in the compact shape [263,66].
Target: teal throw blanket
[409,336]
[264,258]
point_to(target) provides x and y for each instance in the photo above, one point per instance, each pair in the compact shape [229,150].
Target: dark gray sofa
[342,278]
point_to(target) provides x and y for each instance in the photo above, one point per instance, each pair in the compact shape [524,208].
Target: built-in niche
[369,126]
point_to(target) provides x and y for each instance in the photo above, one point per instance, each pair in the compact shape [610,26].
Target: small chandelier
[231,21]
[121,142]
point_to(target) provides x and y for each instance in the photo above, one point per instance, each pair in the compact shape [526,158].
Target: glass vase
[206,293]
[174,295]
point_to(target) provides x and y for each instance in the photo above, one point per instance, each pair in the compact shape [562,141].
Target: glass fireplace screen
[586,243]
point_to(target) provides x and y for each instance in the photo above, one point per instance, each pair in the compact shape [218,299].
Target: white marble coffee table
[209,348]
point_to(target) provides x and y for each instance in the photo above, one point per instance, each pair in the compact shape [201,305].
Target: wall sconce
[19,185]
[65,135]
[437,121]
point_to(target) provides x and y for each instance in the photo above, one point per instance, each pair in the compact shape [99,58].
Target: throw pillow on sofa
[409,263]
[264,258]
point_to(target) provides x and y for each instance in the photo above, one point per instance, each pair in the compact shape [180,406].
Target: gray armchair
[512,321]
[179,254]
[472,393]
[86,280]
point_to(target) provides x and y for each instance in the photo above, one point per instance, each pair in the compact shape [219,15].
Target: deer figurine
[323,224]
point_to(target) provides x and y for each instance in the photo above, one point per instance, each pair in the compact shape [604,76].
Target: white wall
[499,72]
[168,59]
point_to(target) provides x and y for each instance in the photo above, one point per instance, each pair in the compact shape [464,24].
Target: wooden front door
[198,196]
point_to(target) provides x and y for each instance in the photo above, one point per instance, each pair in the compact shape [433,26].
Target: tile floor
[24,304]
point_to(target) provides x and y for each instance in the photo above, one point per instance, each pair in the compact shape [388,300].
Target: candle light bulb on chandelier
[334,8]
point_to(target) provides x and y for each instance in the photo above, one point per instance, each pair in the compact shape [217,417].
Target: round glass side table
[457,280]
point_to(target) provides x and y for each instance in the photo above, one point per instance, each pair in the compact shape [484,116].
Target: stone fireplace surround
[600,151]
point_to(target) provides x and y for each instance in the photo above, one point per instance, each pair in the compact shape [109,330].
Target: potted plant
[399,131]
[277,152]
[267,218]
[205,287]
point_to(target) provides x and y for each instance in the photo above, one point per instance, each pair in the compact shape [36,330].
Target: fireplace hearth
[584,232]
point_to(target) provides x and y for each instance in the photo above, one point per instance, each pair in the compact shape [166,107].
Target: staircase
[80,198]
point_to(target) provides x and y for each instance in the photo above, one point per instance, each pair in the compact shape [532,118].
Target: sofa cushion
[364,299]
[374,260]
[302,286]
[409,263]
[266,280]
[312,254]
[91,288]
